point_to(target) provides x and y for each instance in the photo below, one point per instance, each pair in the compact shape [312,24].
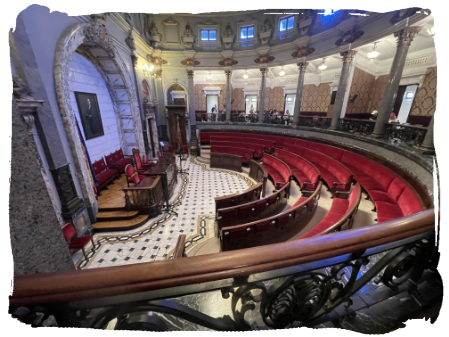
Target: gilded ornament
[264,59]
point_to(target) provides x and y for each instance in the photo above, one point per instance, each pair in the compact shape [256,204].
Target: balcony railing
[409,134]
[315,122]
[210,117]
[443,148]
[356,126]
[296,283]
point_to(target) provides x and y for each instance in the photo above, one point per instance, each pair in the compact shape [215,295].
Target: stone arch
[169,85]
[92,40]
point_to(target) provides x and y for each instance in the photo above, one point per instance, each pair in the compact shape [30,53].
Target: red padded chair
[132,176]
[145,161]
[185,149]
[78,242]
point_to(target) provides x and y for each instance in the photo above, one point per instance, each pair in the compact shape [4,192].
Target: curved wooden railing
[146,199]
[258,173]
[179,251]
[226,161]
[235,199]
[277,228]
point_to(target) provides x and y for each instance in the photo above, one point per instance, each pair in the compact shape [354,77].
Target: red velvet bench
[103,174]
[268,144]
[117,160]
[303,170]
[257,148]
[341,212]
[244,153]
[278,170]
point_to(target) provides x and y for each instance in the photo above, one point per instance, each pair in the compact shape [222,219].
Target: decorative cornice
[264,59]
[170,21]
[348,55]
[190,73]
[403,14]
[405,36]
[157,60]
[190,62]
[264,71]
[130,41]
[228,62]
[303,52]
[228,73]
[302,66]
[349,37]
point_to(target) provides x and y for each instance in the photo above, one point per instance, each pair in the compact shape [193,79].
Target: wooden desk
[165,164]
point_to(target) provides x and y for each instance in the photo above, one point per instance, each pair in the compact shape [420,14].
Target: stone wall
[85,78]
[37,242]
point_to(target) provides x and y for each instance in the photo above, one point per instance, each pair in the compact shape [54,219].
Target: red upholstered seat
[244,153]
[339,206]
[76,242]
[387,211]
[409,202]
[118,160]
[103,177]
[103,174]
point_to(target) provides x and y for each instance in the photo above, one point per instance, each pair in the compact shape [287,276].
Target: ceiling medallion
[228,62]
[403,13]
[264,59]
[349,37]
[156,60]
[190,62]
[303,52]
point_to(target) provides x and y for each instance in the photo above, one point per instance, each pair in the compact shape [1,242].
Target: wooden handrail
[180,247]
[153,185]
[111,281]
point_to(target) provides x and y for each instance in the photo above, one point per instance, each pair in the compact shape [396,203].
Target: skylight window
[208,34]
[286,23]
[247,32]
[331,6]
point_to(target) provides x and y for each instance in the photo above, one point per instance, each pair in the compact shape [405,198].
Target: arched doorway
[176,94]
[92,41]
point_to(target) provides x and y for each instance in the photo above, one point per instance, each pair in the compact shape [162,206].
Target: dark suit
[91,116]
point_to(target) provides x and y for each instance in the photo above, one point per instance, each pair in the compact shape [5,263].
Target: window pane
[251,31]
[243,33]
[337,5]
[290,23]
[212,34]
[204,35]
[282,24]
[328,8]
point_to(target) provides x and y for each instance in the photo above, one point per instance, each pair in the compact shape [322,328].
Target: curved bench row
[257,148]
[278,228]
[258,173]
[341,212]
[230,200]
[305,173]
[254,210]
[337,177]
[244,153]
[279,172]
[207,137]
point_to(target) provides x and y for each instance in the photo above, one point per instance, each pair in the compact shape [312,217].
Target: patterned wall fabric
[174,87]
[200,98]
[425,99]
[238,95]
[362,84]
[316,98]
[274,98]
[377,91]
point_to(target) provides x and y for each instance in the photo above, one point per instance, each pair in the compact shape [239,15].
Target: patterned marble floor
[156,239]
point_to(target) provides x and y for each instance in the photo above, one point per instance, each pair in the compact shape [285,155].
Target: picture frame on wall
[90,114]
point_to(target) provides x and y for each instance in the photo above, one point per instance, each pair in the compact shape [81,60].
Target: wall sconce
[147,69]
[373,54]
[322,66]
[245,75]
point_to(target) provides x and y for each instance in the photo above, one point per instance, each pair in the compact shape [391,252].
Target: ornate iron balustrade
[356,126]
[243,118]
[299,283]
[443,147]
[210,117]
[411,135]
[315,122]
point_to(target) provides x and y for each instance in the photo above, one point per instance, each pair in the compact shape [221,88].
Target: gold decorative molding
[158,73]
[405,36]
[190,73]
[263,71]
[349,37]
[302,66]
[348,55]
[228,73]
[303,52]
[130,41]
[264,59]
[156,60]
[228,62]
[190,62]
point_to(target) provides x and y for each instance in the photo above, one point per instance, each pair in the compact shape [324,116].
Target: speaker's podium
[177,123]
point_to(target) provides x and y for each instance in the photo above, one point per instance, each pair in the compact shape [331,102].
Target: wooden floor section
[113,215]
[120,225]
[114,196]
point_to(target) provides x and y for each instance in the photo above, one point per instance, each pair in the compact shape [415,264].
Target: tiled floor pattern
[157,239]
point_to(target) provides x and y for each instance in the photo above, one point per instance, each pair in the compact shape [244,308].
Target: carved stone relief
[93,34]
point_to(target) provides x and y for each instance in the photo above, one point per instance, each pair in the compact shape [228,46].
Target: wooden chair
[132,176]
[75,242]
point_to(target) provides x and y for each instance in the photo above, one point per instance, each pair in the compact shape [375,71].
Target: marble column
[263,72]
[37,242]
[405,38]
[163,130]
[228,95]
[439,122]
[302,71]
[191,107]
[348,57]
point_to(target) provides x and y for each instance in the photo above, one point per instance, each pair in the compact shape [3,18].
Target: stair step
[120,225]
[116,215]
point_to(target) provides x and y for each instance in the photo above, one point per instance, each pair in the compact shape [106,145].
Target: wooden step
[122,225]
[116,215]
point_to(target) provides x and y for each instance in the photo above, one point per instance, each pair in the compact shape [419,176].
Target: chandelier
[147,69]
[209,77]
[282,72]
[440,28]
[322,66]
[373,54]
[245,75]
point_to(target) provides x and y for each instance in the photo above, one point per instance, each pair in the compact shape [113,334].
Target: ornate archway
[92,40]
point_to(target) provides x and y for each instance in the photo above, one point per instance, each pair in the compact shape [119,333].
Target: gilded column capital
[264,71]
[302,66]
[405,36]
[158,73]
[228,73]
[190,73]
[348,55]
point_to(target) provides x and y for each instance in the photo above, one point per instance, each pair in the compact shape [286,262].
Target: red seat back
[69,232]
[159,154]
[99,166]
[170,148]
[185,149]
[144,159]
